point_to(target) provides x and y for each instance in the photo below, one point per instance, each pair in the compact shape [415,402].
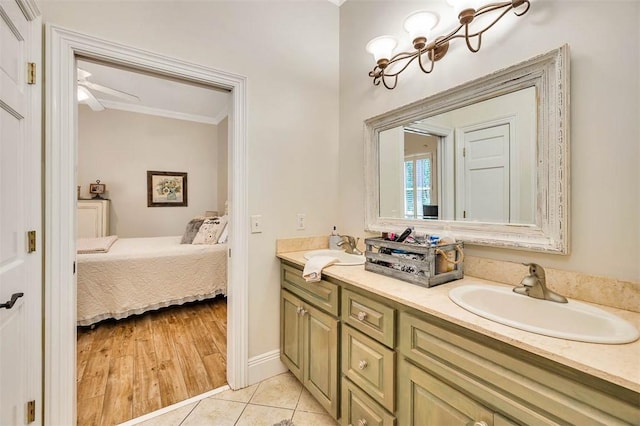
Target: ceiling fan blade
[110,91]
[83,74]
[85,96]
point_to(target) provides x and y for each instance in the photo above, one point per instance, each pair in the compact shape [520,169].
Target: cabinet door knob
[298,310]
[362,315]
[362,364]
[480,423]
[303,311]
[362,422]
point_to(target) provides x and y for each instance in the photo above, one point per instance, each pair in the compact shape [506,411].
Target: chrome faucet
[349,244]
[534,285]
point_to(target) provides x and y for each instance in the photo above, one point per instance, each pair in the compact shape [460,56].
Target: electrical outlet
[256,224]
[300,221]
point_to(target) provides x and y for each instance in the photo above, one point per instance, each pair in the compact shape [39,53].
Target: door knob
[9,303]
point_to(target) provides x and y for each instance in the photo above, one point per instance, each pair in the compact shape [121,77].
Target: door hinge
[31,235]
[464,152]
[464,214]
[31,73]
[74,267]
[229,252]
[31,411]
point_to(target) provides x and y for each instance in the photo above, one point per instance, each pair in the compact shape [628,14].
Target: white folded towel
[95,245]
[313,267]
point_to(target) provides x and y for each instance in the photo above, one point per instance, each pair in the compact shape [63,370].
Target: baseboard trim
[263,366]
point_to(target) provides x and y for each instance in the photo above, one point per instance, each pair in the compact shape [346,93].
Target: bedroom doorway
[61,192]
[153,355]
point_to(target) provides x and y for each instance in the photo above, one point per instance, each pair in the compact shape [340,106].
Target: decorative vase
[171,196]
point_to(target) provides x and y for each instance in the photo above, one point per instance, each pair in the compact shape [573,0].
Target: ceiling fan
[85,88]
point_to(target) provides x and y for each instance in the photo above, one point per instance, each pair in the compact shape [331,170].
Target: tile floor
[278,398]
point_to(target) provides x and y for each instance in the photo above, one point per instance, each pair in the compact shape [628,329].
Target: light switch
[256,224]
[300,221]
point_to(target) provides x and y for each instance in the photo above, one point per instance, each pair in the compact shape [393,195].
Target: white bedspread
[141,274]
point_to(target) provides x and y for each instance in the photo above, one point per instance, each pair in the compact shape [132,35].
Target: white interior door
[20,212]
[486,170]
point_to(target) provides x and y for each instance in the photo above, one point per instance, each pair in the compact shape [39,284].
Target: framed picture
[166,189]
[97,189]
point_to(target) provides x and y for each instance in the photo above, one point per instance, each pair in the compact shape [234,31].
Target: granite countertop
[618,364]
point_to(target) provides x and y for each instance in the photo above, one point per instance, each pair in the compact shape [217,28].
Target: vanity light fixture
[429,49]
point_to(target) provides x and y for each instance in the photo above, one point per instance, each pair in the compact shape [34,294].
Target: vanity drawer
[321,294]
[370,365]
[359,409]
[373,318]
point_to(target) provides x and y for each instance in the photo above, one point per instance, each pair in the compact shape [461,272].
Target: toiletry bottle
[334,239]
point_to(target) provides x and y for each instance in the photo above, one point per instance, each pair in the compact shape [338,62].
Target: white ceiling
[158,95]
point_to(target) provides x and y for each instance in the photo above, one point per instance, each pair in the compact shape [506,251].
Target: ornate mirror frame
[549,73]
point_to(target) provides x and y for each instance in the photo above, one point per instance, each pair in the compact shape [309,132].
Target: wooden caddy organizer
[433,266]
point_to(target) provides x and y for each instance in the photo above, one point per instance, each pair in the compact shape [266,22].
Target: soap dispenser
[334,239]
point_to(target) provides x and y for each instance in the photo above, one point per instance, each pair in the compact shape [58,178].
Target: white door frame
[62,46]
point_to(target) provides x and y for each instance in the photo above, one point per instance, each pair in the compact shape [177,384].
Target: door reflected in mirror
[487,160]
[474,163]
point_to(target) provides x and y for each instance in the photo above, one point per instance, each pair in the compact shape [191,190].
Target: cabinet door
[291,333]
[93,218]
[320,364]
[425,400]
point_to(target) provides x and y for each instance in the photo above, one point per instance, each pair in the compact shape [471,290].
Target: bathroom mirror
[488,160]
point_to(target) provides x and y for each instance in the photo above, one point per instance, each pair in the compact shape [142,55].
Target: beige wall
[605,83]
[119,147]
[289,53]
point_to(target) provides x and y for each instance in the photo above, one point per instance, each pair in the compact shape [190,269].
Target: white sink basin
[344,259]
[572,321]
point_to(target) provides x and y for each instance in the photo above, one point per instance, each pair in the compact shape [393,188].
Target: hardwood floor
[131,367]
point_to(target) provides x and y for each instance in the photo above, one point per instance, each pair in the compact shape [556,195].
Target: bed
[136,275]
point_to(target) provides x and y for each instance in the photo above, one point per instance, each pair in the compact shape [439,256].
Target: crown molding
[123,106]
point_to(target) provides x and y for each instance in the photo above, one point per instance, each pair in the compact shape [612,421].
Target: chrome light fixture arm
[436,50]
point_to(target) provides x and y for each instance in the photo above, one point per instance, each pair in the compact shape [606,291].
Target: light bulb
[382,47]
[420,23]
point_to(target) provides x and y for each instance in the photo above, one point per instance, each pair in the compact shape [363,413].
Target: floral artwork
[166,189]
[169,187]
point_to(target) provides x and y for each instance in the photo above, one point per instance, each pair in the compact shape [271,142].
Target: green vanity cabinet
[309,345]
[396,365]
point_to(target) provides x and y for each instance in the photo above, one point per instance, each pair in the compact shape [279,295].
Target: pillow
[224,235]
[192,230]
[210,230]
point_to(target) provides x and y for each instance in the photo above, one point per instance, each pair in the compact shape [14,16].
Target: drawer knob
[362,315]
[363,364]
[362,422]
[480,423]
[303,311]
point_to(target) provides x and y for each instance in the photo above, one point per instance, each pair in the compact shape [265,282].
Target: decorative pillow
[192,229]
[210,230]
[224,235]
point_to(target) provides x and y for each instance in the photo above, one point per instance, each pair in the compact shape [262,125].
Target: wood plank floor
[131,367]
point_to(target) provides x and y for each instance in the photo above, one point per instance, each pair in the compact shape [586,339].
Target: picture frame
[166,189]
[95,189]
